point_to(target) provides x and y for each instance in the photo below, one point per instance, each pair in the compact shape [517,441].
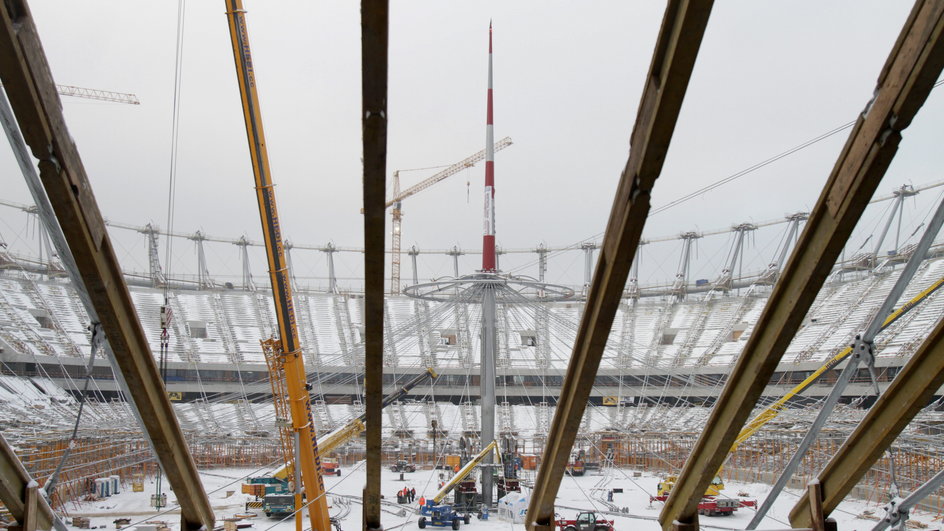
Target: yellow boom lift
[287,348]
[463,472]
[434,513]
[775,408]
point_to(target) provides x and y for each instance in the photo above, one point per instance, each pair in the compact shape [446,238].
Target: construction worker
[422,501]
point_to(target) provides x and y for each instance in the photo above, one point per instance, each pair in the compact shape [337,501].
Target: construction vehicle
[665,486]
[442,516]
[402,465]
[434,512]
[283,355]
[712,504]
[511,464]
[576,465]
[330,467]
[277,484]
[585,521]
[775,408]
[279,505]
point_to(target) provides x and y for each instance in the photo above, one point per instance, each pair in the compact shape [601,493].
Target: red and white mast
[488,239]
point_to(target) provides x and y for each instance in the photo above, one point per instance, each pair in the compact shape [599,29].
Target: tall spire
[488,240]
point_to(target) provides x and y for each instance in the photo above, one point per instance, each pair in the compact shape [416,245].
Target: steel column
[673,60]
[904,84]
[487,385]
[374,36]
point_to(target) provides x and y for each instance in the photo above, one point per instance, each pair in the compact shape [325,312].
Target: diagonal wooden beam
[903,85]
[29,84]
[374,36]
[14,481]
[672,62]
[911,390]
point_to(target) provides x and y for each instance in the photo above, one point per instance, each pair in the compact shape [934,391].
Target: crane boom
[95,94]
[464,471]
[399,196]
[467,162]
[288,347]
[774,409]
[328,443]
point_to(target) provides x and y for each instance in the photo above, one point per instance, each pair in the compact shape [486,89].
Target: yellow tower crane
[399,196]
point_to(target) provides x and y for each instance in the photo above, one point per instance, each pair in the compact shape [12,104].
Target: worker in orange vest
[456,469]
[422,501]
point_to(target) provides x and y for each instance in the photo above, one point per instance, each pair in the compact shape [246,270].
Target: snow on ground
[583,493]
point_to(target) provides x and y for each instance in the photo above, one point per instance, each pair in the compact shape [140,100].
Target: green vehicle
[279,505]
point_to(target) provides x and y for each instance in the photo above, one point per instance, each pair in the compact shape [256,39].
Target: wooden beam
[814,496]
[29,84]
[903,86]
[673,60]
[911,390]
[374,36]
[15,492]
[31,507]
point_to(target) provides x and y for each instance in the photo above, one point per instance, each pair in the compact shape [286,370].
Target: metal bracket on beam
[895,515]
[898,510]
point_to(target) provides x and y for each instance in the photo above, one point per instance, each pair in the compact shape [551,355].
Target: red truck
[712,506]
[586,521]
[711,503]
[330,467]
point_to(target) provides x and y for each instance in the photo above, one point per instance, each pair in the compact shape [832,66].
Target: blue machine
[440,516]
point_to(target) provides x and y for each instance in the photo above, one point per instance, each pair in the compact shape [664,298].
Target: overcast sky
[568,77]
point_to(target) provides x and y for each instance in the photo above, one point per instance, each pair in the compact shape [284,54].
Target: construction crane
[435,513]
[286,350]
[462,473]
[774,409]
[399,196]
[95,94]
[328,443]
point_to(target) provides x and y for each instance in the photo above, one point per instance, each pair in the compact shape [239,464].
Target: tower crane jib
[398,197]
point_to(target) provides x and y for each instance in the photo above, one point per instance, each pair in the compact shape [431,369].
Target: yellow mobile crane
[774,409]
[328,443]
[287,347]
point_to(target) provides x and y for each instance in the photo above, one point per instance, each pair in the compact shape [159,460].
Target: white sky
[568,76]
